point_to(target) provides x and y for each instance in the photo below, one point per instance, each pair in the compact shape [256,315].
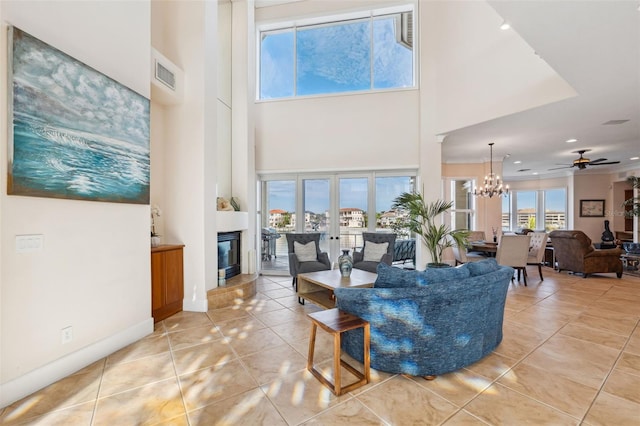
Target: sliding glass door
[340,206]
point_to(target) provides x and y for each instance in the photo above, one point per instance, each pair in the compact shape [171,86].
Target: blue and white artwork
[77,133]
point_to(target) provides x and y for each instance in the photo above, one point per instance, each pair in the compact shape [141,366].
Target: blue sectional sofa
[427,323]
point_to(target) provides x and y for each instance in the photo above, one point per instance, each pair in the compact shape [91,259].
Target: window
[462,211]
[526,209]
[555,209]
[347,54]
[540,209]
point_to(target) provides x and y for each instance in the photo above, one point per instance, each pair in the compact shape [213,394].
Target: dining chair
[536,250]
[462,256]
[513,251]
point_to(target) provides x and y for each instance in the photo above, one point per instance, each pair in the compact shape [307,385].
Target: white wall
[354,132]
[488,73]
[189,35]
[94,271]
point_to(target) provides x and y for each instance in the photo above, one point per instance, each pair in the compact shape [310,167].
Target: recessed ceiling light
[517,162]
[634,158]
[614,122]
[571,140]
[505,25]
[535,173]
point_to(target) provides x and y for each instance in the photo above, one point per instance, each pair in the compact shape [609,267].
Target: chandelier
[492,185]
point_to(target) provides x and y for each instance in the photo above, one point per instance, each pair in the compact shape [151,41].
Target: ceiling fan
[582,162]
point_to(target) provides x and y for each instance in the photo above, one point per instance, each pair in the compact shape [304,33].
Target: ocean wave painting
[77,133]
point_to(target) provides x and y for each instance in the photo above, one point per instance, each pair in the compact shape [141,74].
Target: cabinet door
[157,281]
[174,280]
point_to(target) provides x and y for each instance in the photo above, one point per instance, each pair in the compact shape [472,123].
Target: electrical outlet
[67,334]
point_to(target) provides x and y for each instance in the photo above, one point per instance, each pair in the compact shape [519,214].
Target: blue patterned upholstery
[432,328]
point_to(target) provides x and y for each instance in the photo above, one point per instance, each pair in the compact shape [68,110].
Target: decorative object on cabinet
[235,204]
[224,205]
[167,281]
[155,237]
[81,136]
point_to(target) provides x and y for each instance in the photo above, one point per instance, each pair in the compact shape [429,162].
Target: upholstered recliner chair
[574,252]
[374,251]
[305,256]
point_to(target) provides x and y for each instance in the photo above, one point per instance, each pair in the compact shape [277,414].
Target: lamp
[492,185]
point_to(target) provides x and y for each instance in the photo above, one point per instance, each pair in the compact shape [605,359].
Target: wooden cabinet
[167,281]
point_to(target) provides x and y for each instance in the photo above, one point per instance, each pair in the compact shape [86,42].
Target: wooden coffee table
[317,287]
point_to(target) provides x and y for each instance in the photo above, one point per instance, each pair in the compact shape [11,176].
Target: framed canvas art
[73,132]
[591,208]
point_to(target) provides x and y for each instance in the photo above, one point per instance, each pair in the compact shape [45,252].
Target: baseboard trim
[32,381]
[198,305]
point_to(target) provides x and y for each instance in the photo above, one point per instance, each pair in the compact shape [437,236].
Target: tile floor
[570,355]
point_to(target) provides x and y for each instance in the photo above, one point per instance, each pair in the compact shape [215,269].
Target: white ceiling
[595,47]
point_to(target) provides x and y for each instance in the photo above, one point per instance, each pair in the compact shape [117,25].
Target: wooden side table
[337,322]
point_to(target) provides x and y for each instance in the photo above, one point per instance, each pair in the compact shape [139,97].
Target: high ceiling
[595,47]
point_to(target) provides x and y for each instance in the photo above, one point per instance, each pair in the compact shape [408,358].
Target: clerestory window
[350,53]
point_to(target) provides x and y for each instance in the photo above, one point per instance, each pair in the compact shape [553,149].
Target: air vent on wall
[165,76]
[167,86]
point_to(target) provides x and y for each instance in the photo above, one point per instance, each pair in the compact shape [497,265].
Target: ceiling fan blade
[565,167]
[599,160]
[602,164]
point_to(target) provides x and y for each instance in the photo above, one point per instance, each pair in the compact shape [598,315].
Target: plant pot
[155,241]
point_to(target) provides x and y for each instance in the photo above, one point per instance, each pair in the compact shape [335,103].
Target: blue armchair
[426,323]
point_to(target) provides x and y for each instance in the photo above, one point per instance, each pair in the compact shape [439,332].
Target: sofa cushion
[437,275]
[373,252]
[305,252]
[482,267]
[392,277]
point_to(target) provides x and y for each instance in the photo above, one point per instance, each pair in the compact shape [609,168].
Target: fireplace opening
[229,253]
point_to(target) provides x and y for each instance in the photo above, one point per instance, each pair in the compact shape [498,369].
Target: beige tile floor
[570,355]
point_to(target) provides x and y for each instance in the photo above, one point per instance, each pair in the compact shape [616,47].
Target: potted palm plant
[422,221]
[634,203]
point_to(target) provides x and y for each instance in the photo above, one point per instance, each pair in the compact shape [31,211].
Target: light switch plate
[29,243]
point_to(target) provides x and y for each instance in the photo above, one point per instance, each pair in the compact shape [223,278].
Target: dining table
[487,247]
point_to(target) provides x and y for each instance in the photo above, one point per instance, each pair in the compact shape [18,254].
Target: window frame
[540,207]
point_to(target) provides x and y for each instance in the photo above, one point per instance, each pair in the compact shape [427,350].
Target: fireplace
[229,253]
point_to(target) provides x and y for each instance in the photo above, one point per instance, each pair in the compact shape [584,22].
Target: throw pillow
[373,252]
[436,275]
[392,277]
[305,252]
[482,267]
